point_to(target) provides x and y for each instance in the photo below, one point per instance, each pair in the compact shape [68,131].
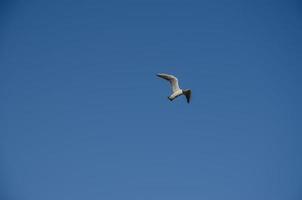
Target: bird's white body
[175,94]
[176,91]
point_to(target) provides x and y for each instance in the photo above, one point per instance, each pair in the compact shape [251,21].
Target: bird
[176,91]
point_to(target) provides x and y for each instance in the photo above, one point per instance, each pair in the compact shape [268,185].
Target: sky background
[83,115]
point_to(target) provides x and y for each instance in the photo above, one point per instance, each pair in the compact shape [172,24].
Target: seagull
[176,91]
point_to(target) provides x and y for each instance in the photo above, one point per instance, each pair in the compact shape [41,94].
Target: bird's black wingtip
[188,94]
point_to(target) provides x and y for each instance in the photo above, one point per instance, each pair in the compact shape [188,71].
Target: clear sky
[83,115]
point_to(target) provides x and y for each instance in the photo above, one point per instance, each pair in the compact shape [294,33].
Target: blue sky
[83,115]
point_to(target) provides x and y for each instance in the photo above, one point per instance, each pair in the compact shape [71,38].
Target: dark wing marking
[188,95]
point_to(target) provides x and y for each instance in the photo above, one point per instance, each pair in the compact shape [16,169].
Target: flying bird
[176,91]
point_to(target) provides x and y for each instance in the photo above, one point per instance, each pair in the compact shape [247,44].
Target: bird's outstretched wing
[188,95]
[172,79]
